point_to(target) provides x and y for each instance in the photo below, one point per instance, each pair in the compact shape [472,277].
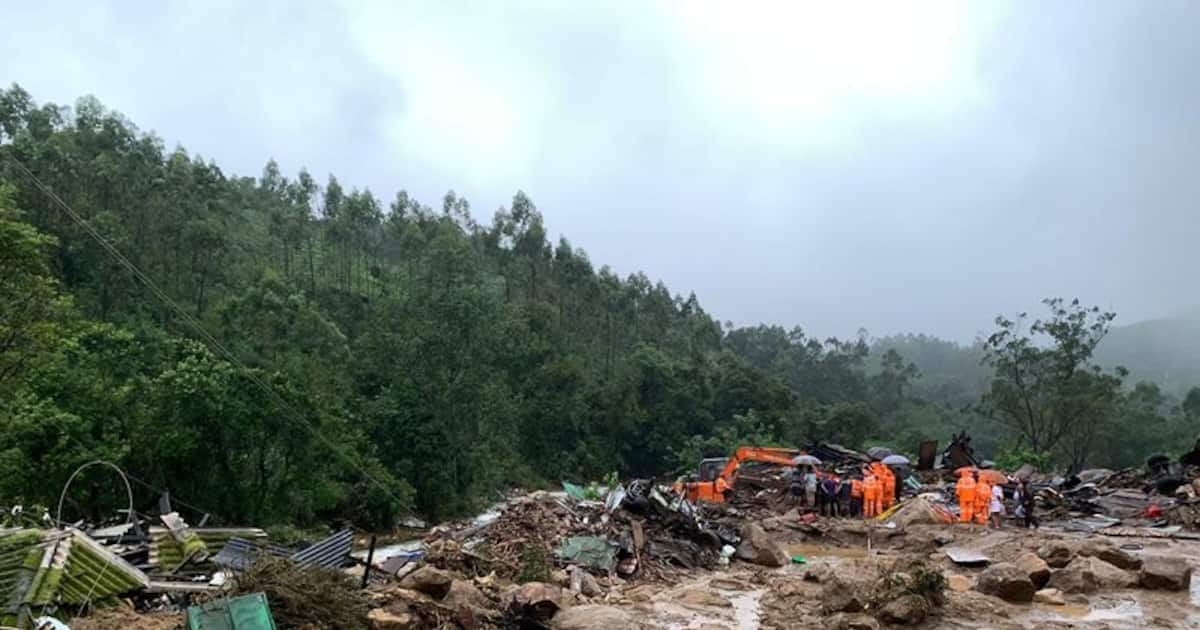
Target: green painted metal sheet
[248,612]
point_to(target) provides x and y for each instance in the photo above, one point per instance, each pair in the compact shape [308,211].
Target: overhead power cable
[287,408]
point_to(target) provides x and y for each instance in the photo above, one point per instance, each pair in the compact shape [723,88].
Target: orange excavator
[718,474]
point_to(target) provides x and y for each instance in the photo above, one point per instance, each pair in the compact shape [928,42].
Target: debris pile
[152,563]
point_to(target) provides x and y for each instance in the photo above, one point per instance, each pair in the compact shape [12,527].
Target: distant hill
[1166,351]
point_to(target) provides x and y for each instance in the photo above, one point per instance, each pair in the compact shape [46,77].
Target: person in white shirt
[996,507]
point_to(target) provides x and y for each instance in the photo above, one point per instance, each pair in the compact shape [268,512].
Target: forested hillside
[1166,351]
[384,356]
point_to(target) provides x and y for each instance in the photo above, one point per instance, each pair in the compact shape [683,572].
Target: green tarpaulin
[248,612]
[589,551]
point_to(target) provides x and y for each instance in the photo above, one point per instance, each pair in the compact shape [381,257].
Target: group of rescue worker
[982,502]
[868,494]
[876,489]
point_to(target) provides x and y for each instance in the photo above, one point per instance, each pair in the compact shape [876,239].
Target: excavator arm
[711,491]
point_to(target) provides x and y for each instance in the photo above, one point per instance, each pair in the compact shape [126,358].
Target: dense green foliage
[422,360]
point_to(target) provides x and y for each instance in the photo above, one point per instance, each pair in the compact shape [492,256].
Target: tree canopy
[394,357]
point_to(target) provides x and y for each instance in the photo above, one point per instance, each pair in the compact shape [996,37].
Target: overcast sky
[916,166]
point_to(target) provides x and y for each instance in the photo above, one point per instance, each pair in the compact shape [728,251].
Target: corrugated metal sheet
[166,553]
[238,553]
[330,553]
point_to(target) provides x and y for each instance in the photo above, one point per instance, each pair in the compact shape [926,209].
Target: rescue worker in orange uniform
[856,497]
[965,489]
[881,476]
[889,486]
[983,498]
[870,495]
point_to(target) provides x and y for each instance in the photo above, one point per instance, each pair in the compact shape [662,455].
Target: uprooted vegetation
[306,597]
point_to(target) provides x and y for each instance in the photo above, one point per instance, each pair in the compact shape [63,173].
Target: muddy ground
[746,597]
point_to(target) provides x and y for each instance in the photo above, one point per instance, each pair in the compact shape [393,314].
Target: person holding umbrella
[810,478]
[898,466]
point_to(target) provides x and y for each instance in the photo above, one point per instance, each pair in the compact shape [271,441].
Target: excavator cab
[711,468]
[718,474]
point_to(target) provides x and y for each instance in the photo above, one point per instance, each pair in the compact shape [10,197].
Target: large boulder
[1109,576]
[429,580]
[758,547]
[1006,581]
[1171,574]
[463,594]
[1113,555]
[905,610]
[1057,553]
[593,617]
[1077,577]
[535,600]
[838,595]
[1033,566]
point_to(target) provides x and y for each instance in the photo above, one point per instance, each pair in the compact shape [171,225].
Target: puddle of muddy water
[1126,610]
[745,610]
[811,551]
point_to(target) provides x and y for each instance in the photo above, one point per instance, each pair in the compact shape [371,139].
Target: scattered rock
[463,594]
[560,577]
[429,580]
[905,610]
[1109,576]
[593,617]
[383,619]
[1057,554]
[1006,581]
[1113,555]
[1171,574]
[760,548]
[584,583]
[958,583]
[838,595]
[699,597]
[1076,577]
[852,621]
[1051,596]
[536,600]
[1033,566]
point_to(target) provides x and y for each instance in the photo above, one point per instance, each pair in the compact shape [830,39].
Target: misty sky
[914,166]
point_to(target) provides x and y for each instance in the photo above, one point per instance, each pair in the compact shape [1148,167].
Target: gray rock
[1109,576]
[758,547]
[429,580]
[1033,566]
[1076,577]
[1057,554]
[1113,555]
[1171,574]
[905,610]
[1006,581]
[1051,596]
[838,595]
[463,594]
